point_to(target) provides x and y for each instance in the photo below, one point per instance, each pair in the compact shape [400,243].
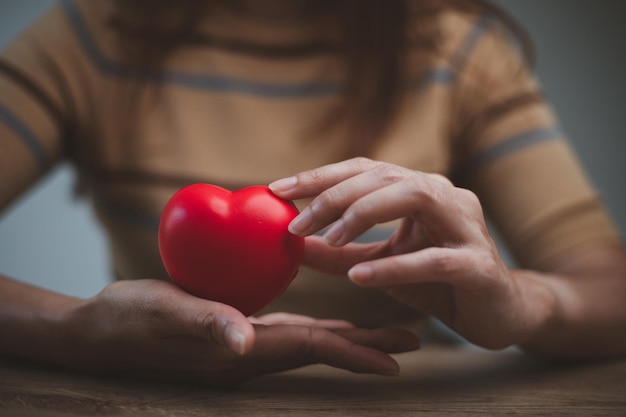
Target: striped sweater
[233,118]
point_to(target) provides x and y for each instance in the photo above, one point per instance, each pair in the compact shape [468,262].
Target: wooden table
[435,381]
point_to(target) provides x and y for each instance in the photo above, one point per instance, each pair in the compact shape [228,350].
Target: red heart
[231,247]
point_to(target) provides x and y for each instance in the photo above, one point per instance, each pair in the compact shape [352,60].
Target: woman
[145,99]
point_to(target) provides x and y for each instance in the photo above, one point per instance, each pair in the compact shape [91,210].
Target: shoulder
[479,48]
[69,30]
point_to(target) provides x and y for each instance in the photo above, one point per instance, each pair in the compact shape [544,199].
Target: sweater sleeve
[515,156]
[35,103]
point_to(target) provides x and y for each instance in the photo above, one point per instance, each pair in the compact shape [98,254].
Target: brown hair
[374,43]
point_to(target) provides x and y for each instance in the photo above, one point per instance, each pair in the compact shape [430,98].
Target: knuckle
[328,201]
[205,325]
[313,176]
[211,323]
[415,184]
[444,264]
[421,193]
[389,174]
[468,268]
[441,178]
[432,194]
[489,267]
[469,199]
[362,163]
[305,351]
[357,215]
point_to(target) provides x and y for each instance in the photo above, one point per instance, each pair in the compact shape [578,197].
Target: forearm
[586,315]
[32,322]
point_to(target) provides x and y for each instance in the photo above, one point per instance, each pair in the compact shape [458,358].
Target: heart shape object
[231,247]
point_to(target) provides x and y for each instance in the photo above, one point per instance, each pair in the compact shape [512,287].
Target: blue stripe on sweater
[470,42]
[511,145]
[200,82]
[27,136]
[236,85]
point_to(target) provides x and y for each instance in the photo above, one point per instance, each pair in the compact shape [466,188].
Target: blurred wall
[51,240]
[47,238]
[581,62]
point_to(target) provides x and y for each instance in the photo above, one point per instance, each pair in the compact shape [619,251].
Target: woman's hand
[153,328]
[441,259]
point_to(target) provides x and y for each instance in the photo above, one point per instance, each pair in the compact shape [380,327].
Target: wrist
[33,321]
[561,325]
[68,343]
[39,335]
[542,306]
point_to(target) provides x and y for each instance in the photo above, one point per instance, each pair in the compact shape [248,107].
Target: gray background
[51,240]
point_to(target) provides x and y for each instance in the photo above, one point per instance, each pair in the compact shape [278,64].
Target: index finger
[310,183]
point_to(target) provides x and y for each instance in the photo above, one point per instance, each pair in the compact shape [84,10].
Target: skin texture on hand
[443,261]
[153,328]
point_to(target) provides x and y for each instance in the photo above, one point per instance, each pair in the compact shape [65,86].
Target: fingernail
[302,223]
[235,340]
[284,184]
[360,273]
[334,235]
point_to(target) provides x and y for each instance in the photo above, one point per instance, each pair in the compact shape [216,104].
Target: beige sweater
[234,119]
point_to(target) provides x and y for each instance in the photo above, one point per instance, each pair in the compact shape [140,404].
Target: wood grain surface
[434,382]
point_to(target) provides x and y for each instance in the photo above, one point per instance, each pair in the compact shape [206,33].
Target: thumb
[216,322]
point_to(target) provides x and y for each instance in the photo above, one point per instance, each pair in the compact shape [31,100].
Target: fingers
[333,260]
[298,319]
[354,195]
[409,237]
[337,187]
[458,267]
[409,197]
[209,320]
[162,330]
[286,347]
[311,183]
[384,340]
[417,196]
